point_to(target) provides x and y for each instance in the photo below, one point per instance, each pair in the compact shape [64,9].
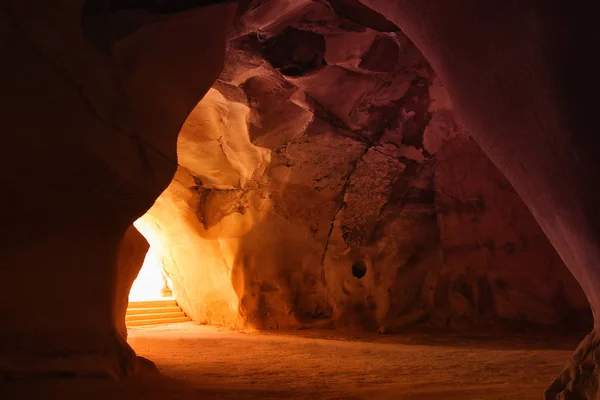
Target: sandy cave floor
[203,362]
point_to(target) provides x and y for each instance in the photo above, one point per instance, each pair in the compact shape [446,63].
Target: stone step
[152,303]
[142,317]
[152,310]
[158,321]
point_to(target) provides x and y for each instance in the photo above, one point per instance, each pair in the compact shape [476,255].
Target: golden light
[151,282]
[203,254]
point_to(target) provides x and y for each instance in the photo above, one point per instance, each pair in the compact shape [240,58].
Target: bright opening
[151,283]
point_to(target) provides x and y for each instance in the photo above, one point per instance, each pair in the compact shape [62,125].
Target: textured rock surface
[88,143]
[527,103]
[325,181]
[346,193]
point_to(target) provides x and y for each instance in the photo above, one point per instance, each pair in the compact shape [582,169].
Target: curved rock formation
[325,181]
[513,74]
[93,99]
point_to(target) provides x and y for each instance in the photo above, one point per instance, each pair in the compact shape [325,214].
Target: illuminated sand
[201,362]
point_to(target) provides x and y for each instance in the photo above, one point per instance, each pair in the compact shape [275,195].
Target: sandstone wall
[325,181]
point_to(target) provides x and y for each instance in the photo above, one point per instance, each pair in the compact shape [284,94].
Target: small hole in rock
[359,269]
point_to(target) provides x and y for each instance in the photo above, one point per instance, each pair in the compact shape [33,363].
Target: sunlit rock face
[325,181]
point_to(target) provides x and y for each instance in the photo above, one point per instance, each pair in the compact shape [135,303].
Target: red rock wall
[88,143]
[326,147]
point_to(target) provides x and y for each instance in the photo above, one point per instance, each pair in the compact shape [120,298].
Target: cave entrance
[151,297]
[152,282]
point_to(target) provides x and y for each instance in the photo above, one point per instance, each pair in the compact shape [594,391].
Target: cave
[266,199]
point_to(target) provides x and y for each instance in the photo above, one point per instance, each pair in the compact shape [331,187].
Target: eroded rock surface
[536,126]
[326,181]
